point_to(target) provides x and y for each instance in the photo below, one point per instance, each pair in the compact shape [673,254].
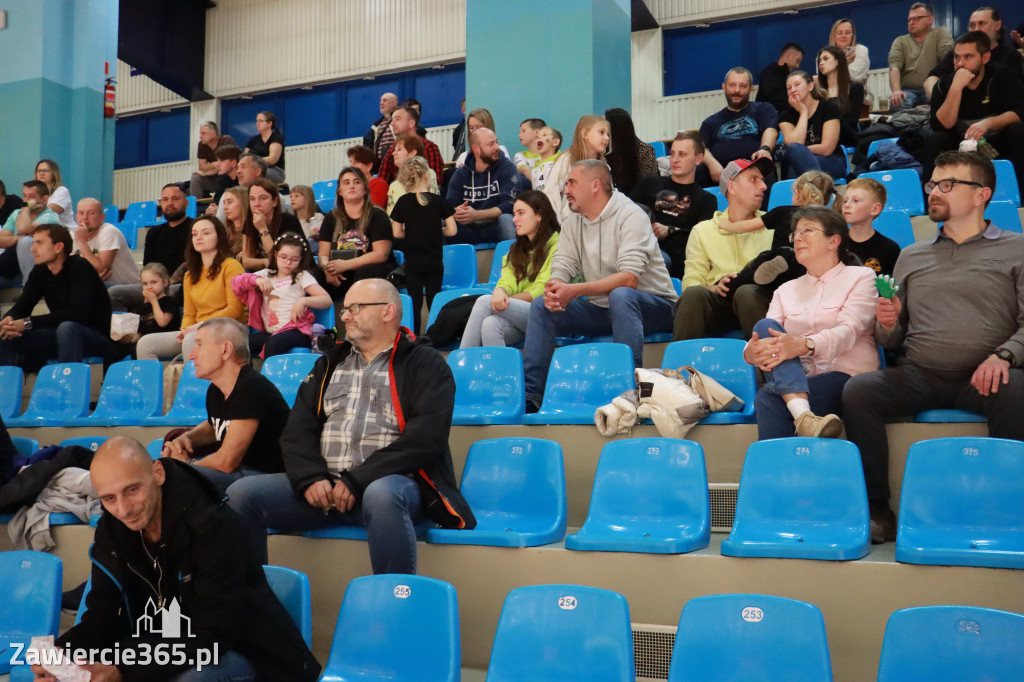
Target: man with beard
[405,121]
[482,192]
[989,21]
[165,244]
[957,319]
[980,100]
[676,202]
[743,130]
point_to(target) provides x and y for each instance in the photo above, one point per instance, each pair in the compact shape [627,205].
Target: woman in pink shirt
[817,334]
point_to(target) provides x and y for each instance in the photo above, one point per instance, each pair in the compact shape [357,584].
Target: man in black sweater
[78,323]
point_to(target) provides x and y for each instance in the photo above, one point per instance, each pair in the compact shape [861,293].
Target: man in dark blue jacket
[366,443]
[482,192]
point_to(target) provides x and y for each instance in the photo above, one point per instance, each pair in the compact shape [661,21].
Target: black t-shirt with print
[253,397]
[878,253]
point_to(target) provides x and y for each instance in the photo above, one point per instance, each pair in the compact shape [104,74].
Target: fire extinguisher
[108,94]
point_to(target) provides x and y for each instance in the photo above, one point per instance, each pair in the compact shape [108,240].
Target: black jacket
[206,561]
[423,395]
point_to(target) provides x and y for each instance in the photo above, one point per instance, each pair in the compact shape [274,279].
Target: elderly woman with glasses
[817,334]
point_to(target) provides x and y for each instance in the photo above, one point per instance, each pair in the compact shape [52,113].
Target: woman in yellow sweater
[207,290]
[500,318]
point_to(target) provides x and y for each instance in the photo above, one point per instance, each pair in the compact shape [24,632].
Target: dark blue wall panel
[312,115]
[130,142]
[148,139]
[440,93]
[362,104]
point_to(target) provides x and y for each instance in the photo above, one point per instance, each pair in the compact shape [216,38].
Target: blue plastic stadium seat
[12,378]
[459,266]
[801,498]
[402,628]
[1006,182]
[961,503]
[130,232]
[192,207]
[949,416]
[722,360]
[189,406]
[406,310]
[500,251]
[325,189]
[650,495]
[359,532]
[141,214]
[87,442]
[903,187]
[287,372]
[1005,215]
[292,590]
[324,316]
[781,194]
[659,148]
[112,214]
[873,147]
[581,379]
[723,203]
[30,591]
[61,393]
[440,300]
[155,447]
[516,489]
[132,392]
[25,446]
[896,226]
[484,246]
[488,386]
[952,643]
[562,632]
[739,637]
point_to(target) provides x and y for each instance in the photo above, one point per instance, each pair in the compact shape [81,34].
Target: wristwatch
[28,324]
[1006,355]
[767,149]
[809,342]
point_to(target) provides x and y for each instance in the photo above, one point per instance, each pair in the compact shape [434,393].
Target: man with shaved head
[380,137]
[366,443]
[167,541]
[103,245]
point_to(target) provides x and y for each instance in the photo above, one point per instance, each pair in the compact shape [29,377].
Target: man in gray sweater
[958,316]
[607,277]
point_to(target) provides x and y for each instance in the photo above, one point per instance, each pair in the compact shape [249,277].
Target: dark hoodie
[496,186]
[206,562]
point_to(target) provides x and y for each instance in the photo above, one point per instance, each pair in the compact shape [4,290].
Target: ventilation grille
[652,650]
[723,505]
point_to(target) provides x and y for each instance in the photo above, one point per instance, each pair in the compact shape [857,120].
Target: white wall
[673,13]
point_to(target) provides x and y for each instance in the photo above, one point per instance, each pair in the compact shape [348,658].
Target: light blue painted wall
[582,67]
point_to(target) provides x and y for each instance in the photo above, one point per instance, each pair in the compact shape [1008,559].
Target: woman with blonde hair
[478,118]
[48,173]
[844,36]
[235,203]
[591,140]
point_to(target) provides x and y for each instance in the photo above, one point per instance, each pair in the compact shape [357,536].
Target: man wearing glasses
[913,55]
[957,319]
[366,443]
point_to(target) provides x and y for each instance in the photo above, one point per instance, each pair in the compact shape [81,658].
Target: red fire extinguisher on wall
[108,93]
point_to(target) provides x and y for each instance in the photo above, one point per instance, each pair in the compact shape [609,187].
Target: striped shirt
[360,417]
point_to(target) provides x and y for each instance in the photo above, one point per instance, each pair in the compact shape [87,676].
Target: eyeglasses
[918,18]
[946,185]
[354,308]
[291,259]
[804,232]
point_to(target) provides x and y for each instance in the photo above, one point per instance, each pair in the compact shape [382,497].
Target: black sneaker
[532,407]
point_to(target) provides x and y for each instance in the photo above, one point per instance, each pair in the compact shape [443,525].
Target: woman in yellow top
[500,318]
[207,290]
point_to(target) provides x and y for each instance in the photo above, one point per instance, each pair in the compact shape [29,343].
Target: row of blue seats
[799,498]
[571,632]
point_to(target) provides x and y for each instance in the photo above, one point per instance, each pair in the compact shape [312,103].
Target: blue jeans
[488,328]
[223,479]
[824,391]
[914,97]
[630,314]
[485,233]
[232,667]
[67,342]
[389,509]
[799,159]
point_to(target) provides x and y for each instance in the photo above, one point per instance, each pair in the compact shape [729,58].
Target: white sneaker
[809,425]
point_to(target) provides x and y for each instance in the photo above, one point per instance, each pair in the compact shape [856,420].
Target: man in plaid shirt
[404,122]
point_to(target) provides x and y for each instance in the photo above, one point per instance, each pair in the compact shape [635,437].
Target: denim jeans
[389,509]
[483,233]
[232,667]
[67,342]
[223,479]
[914,97]
[824,391]
[488,328]
[799,159]
[629,316]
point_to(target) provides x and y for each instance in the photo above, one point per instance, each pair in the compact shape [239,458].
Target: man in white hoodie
[607,277]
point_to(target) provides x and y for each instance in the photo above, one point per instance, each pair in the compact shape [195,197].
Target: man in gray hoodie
[607,277]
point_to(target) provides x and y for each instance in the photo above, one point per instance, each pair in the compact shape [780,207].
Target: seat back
[324,316]
[61,392]
[30,592]
[292,590]
[189,397]
[952,643]
[489,385]
[903,187]
[515,476]
[132,390]
[443,297]
[873,147]
[1004,215]
[140,213]
[720,359]
[112,214]
[192,207]
[738,637]
[407,319]
[12,378]
[781,194]
[325,189]
[1006,182]
[25,446]
[585,377]
[287,372]
[896,226]
[500,251]
[961,503]
[130,232]
[88,442]
[562,632]
[155,447]
[459,266]
[659,148]
[723,203]
[396,627]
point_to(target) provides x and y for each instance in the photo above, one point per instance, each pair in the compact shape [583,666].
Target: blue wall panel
[362,104]
[312,115]
[130,142]
[440,92]
[167,137]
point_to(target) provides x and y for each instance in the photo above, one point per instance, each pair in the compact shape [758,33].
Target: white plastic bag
[123,324]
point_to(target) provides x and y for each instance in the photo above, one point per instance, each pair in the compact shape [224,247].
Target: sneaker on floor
[767,272]
[883,526]
[810,425]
